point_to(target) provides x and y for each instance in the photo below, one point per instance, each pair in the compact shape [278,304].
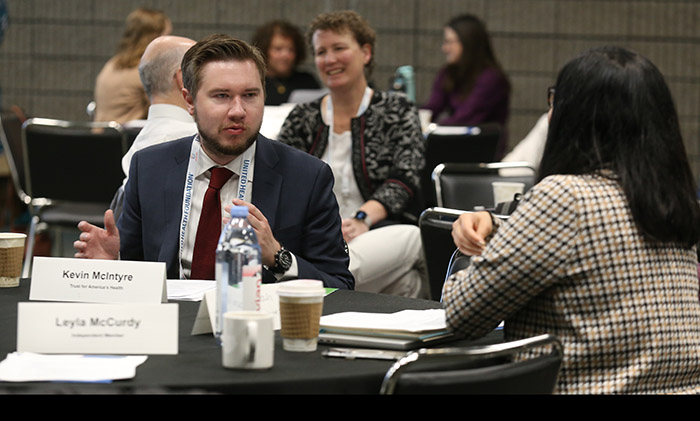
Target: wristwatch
[283,261]
[361,215]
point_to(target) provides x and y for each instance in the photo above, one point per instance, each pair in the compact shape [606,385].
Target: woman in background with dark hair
[601,252]
[119,94]
[283,47]
[472,88]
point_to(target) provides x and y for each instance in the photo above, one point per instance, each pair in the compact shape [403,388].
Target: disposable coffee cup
[505,191]
[11,257]
[301,305]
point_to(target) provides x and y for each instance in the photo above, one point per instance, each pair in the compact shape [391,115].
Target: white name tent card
[84,328]
[206,315]
[97,281]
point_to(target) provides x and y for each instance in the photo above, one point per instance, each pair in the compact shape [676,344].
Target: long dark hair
[613,110]
[477,54]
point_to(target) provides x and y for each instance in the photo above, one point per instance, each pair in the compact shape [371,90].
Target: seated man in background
[288,192]
[161,77]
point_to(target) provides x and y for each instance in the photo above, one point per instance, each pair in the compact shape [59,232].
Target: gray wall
[55,48]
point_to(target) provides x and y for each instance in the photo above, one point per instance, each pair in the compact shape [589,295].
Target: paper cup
[301,305]
[505,191]
[11,257]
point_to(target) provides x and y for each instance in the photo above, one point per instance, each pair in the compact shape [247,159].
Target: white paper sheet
[188,289]
[27,366]
[404,321]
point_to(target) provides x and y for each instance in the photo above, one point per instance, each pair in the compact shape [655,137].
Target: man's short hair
[217,47]
[157,72]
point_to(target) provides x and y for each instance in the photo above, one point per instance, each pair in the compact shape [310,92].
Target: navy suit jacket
[291,188]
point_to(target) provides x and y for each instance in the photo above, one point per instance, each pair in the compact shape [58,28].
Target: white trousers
[389,260]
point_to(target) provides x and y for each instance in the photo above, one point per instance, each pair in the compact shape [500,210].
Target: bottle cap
[239,211]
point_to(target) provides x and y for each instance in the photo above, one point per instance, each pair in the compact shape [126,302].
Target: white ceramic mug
[248,340]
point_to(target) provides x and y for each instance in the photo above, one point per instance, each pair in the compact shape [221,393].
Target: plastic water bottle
[238,268]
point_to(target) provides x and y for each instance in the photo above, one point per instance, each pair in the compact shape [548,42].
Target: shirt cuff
[291,273]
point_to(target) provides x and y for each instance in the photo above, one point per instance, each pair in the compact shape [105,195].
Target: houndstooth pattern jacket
[571,262]
[387,146]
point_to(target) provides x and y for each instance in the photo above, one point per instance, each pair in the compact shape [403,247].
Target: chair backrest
[468,185]
[439,248]
[73,161]
[436,236]
[489,369]
[457,144]
[11,137]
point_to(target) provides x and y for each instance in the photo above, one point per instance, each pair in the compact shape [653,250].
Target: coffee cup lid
[300,287]
[12,239]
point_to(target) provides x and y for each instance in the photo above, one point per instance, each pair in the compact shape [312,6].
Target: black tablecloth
[197,367]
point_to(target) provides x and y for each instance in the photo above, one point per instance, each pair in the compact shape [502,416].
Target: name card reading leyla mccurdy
[97,281]
[92,328]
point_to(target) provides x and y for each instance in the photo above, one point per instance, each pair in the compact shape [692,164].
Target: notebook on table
[403,330]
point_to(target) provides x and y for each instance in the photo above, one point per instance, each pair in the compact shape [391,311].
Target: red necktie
[209,229]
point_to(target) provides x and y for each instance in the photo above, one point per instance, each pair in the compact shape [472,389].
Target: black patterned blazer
[388,149]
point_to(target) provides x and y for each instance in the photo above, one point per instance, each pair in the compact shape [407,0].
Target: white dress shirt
[228,192]
[165,122]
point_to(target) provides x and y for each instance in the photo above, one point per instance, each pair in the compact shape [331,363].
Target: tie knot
[219,177]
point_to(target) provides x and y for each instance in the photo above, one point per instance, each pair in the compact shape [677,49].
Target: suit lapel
[267,181]
[174,185]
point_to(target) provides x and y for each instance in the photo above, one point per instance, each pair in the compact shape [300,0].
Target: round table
[197,367]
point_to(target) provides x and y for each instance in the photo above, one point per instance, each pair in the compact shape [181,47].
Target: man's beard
[214,146]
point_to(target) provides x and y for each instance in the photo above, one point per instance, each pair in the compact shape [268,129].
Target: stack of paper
[28,367]
[401,330]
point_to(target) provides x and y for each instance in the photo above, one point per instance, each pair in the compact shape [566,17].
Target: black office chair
[441,255]
[436,235]
[468,185]
[72,169]
[457,144]
[488,369]
[11,138]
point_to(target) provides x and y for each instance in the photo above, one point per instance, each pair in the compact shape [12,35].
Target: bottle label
[222,299]
[251,282]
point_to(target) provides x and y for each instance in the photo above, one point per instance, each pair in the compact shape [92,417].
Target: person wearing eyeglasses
[601,252]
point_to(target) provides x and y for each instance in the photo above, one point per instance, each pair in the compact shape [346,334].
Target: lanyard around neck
[244,191]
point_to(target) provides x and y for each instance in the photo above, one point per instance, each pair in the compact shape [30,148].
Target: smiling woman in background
[283,47]
[601,252]
[119,94]
[471,89]
[373,143]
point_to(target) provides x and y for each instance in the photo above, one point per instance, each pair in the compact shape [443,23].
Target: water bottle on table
[238,268]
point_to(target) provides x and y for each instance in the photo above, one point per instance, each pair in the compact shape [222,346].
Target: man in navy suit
[288,193]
